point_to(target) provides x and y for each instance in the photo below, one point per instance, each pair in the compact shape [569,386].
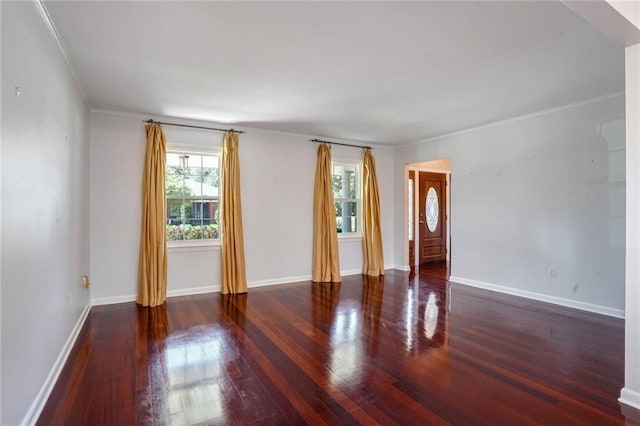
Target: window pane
[210,161]
[191,232]
[175,182]
[352,174]
[346,216]
[173,159]
[336,183]
[346,195]
[188,176]
[173,211]
[192,219]
[345,181]
[194,175]
[194,186]
[210,181]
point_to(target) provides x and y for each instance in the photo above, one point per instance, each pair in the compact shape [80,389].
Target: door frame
[423,233]
[418,167]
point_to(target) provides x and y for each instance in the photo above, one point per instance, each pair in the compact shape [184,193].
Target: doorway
[427,212]
[432,218]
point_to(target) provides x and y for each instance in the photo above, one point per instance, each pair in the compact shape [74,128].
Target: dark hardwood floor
[406,349]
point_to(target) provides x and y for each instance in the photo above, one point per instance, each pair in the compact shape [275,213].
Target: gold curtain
[373,259]
[152,266]
[234,279]
[326,264]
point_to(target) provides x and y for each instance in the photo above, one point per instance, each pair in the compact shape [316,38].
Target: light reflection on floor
[194,373]
[415,349]
[346,344]
[194,377]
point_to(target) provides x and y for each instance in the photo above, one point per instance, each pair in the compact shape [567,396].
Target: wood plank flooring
[406,349]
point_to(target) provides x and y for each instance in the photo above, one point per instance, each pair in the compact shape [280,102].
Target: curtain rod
[151,121]
[340,143]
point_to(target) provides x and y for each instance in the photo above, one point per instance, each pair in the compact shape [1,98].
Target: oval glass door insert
[432,209]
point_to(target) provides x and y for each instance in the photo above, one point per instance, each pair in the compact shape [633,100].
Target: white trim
[41,399]
[276,281]
[428,169]
[630,398]
[215,288]
[373,145]
[99,301]
[349,236]
[193,290]
[248,129]
[404,268]
[209,245]
[170,293]
[193,149]
[44,13]
[514,119]
[583,306]
[348,162]
[295,279]
[142,115]
[416,168]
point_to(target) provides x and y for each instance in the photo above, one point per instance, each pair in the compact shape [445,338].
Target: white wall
[542,191]
[45,207]
[277,174]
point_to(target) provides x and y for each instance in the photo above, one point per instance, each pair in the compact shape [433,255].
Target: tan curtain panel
[152,266]
[234,279]
[326,264]
[373,259]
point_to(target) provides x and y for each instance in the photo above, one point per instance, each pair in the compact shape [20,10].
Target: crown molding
[248,129]
[514,119]
[44,14]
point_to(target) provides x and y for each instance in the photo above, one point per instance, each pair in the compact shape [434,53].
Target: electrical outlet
[552,273]
[69,297]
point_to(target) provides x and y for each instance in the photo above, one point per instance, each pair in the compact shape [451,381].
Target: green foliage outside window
[191,189]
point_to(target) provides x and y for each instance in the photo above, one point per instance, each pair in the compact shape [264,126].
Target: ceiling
[377,72]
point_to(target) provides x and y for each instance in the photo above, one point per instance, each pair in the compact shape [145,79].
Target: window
[346,195]
[191,188]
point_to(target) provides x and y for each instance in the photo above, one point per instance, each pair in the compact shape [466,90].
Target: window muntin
[192,195]
[346,182]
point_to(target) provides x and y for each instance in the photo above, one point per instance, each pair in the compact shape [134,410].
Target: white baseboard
[113,300]
[401,267]
[630,398]
[276,281]
[98,301]
[41,399]
[584,306]
[193,290]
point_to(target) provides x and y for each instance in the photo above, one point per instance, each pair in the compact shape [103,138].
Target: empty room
[301,212]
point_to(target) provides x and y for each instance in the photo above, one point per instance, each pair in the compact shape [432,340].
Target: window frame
[356,235]
[203,244]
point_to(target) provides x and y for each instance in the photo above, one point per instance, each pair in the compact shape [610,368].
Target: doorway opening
[428,212]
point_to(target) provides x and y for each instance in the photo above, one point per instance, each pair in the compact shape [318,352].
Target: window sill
[185,246]
[350,237]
